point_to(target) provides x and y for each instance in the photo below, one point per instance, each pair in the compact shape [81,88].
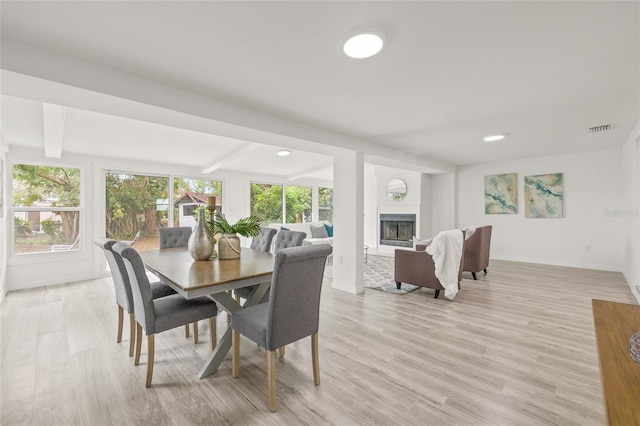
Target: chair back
[477,249]
[119,274]
[262,241]
[174,237]
[143,306]
[294,299]
[286,239]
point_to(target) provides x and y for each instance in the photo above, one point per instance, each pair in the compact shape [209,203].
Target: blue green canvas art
[543,195]
[500,194]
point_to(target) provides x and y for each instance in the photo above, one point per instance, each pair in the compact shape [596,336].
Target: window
[273,202]
[136,203]
[325,204]
[191,193]
[266,202]
[46,208]
[298,204]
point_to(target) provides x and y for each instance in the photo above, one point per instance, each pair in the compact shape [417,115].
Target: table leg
[224,344]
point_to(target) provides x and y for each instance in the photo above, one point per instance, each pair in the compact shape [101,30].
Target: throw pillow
[282,228]
[319,231]
[329,229]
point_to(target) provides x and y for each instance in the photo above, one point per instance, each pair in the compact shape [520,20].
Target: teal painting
[500,194]
[543,195]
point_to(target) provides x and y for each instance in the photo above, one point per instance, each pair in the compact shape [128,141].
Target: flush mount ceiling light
[363,45]
[284,153]
[493,138]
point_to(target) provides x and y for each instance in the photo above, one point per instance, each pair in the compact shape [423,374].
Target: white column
[348,215]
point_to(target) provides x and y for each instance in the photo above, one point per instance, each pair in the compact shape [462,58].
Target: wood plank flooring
[517,346]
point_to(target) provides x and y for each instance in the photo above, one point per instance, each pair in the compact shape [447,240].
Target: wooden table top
[178,266]
[615,323]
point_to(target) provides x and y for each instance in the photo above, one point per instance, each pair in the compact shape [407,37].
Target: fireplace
[397,229]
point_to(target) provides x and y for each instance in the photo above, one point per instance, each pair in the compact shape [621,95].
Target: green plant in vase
[229,243]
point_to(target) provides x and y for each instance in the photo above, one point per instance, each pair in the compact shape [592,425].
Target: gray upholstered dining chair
[174,237]
[177,237]
[124,297]
[263,240]
[288,239]
[292,313]
[157,315]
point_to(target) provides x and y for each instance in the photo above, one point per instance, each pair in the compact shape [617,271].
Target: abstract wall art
[543,195]
[500,194]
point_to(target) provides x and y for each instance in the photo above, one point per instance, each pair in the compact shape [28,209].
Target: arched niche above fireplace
[396,189]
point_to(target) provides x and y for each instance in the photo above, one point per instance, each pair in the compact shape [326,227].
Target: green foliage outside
[266,203]
[21,226]
[131,204]
[51,186]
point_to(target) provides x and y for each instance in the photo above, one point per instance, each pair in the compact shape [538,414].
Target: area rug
[378,275]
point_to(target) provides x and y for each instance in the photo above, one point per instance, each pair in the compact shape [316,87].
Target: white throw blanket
[469,231]
[446,251]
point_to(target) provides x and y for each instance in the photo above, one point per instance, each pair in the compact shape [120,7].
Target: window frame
[23,258]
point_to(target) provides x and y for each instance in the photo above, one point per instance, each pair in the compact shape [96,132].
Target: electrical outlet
[587,247]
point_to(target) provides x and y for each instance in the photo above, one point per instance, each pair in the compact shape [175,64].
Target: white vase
[201,241]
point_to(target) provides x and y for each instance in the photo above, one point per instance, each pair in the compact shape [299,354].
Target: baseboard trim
[347,287]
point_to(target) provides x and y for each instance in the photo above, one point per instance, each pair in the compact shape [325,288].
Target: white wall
[442,204]
[35,270]
[592,189]
[3,214]
[630,210]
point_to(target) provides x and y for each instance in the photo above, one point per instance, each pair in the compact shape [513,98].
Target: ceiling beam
[302,172]
[54,117]
[219,162]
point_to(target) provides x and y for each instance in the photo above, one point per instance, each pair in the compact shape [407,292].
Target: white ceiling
[450,73]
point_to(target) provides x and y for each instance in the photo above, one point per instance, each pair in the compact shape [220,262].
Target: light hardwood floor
[515,347]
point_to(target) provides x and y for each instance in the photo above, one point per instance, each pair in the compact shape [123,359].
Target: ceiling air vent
[598,129]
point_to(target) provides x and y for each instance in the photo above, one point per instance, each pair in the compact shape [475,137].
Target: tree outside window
[46,208]
[269,202]
[136,203]
[266,202]
[325,204]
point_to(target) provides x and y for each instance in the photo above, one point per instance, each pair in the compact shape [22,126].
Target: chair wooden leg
[474,275]
[138,344]
[437,294]
[150,350]
[195,332]
[485,271]
[281,351]
[132,333]
[398,284]
[186,331]
[120,321]
[235,354]
[271,380]
[314,359]
[213,333]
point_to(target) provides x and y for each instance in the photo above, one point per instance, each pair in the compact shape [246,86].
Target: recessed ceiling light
[493,138]
[284,153]
[363,45]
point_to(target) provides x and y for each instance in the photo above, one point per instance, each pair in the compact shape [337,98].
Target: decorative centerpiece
[201,241]
[229,242]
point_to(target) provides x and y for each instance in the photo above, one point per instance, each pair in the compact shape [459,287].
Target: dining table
[213,278]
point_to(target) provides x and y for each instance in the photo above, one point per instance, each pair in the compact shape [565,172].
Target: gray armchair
[174,237]
[124,297]
[292,313]
[156,316]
